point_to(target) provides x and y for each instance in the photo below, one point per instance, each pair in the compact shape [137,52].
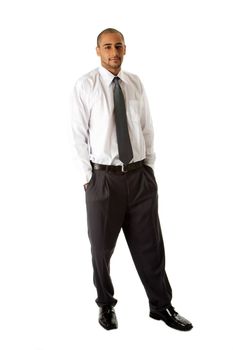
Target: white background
[182,51]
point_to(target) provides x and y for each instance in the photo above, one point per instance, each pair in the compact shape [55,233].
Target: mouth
[115,59]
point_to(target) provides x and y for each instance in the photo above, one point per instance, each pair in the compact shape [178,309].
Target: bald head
[108,31]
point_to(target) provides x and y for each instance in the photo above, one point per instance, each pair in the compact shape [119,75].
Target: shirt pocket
[134,110]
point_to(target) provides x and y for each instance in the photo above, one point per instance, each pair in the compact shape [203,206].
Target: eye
[108,47]
[119,47]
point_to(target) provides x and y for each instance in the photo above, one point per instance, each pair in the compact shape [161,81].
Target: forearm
[80,128]
[148,131]
[149,143]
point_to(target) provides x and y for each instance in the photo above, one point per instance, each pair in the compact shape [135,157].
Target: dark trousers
[128,201]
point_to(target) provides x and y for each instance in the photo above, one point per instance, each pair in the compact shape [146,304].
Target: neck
[114,71]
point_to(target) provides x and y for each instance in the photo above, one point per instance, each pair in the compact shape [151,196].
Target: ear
[124,49]
[98,51]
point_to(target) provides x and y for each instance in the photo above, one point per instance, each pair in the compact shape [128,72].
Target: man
[113,135]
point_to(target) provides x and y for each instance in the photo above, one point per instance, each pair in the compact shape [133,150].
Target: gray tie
[123,140]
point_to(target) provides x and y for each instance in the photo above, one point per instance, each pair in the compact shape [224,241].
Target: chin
[117,65]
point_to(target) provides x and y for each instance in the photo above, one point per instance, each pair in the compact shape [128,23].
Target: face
[111,51]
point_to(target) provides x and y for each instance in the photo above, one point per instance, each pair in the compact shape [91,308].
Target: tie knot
[116,80]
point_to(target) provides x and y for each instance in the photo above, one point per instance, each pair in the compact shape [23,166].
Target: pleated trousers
[128,201]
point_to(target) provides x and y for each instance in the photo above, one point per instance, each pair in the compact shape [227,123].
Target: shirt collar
[108,76]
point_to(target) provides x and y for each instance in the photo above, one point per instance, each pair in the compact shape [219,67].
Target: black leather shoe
[172,319]
[107,317]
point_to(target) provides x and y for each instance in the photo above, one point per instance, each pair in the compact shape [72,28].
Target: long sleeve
[80,127]
[148,130]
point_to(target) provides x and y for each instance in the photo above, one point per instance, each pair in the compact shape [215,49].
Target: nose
[114,51]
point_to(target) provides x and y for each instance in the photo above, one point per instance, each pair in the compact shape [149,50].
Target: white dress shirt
[93,120]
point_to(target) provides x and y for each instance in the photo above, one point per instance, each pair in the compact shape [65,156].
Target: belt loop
[123,168]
